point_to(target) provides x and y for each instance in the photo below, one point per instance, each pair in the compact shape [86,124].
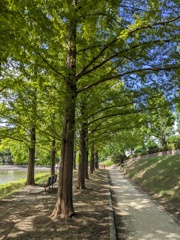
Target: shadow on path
[139,217]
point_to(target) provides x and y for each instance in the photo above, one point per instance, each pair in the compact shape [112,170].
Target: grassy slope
[161,175]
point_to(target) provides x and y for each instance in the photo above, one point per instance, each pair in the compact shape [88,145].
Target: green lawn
[161,175]
[8,188]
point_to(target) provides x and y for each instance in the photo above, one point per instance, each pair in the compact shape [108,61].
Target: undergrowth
[107,163]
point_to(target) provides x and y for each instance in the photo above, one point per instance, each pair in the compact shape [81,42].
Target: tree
[160,119]
[133,43]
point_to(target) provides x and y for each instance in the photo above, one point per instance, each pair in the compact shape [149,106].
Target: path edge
[112,225]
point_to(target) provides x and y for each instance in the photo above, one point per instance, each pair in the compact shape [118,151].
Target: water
[12,174]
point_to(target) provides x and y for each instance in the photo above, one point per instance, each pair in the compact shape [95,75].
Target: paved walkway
[141,218]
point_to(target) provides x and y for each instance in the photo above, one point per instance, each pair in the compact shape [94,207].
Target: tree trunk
[82,146]
[31,160]
[87,155]
[74,160]
[53,156]
[64,204]
[96,160]
[86,164]
[92,160]
[82,159]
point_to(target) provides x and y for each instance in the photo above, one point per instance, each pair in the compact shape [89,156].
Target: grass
[107,163]
[8,188]
[161,175]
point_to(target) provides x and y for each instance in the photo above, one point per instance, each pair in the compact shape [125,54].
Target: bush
[138,149]
[119,158]
[151,145]
[153,150]
[107,163]
[174,139]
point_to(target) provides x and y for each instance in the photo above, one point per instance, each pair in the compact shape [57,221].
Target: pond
[9,174]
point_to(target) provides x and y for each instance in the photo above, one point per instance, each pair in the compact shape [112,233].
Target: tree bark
[86,164]
[74,160]
[53,156]
[96,160]
[87,156]
[31,160]
[92,168]
[64,204]
[82,158]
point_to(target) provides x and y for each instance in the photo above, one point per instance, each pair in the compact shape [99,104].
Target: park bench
[50,182]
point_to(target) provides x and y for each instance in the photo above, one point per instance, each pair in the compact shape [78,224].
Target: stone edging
[113,234]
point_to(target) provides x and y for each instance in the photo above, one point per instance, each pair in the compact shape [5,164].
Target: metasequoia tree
[18,68]
[117,44]
[160,120]
[85,44]
[22,124]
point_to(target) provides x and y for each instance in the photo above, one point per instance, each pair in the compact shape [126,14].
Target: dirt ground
[26,213]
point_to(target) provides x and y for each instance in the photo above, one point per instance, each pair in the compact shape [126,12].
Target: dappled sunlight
[139,204]
[140,218]
[26,224]
[26,214]
[159,176]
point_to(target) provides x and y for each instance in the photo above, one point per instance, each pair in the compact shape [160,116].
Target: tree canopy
[108,55]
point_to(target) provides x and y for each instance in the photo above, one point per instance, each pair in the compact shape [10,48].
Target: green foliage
[173,146]
[19,151]
[5,156]
[107,163]
[153,150]
[174,139]
[121,55]
[151,144]
[118,157]
[160,119]
[42,157]
[139,149]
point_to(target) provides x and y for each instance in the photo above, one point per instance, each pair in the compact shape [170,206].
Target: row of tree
[82,73]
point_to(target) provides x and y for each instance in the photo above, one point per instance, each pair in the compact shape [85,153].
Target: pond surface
[9,174]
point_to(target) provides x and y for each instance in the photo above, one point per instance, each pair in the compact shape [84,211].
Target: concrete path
[141,218]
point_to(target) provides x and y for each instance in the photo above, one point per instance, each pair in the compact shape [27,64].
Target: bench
[50,182]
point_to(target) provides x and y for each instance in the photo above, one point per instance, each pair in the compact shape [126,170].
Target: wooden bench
[50,182]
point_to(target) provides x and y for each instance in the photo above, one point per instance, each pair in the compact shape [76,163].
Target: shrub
[174,139]
[153,150]
[107,163]
[138,149]
[151,145]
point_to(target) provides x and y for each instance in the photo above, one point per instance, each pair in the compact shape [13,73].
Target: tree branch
[129,31]
[149,69]
[50,65]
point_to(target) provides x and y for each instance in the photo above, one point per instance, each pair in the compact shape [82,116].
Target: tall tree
[79,39]
[160,119]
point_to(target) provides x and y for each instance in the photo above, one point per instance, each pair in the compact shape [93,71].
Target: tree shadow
[26,215]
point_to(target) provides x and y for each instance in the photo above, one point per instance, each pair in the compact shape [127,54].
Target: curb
[113,233]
